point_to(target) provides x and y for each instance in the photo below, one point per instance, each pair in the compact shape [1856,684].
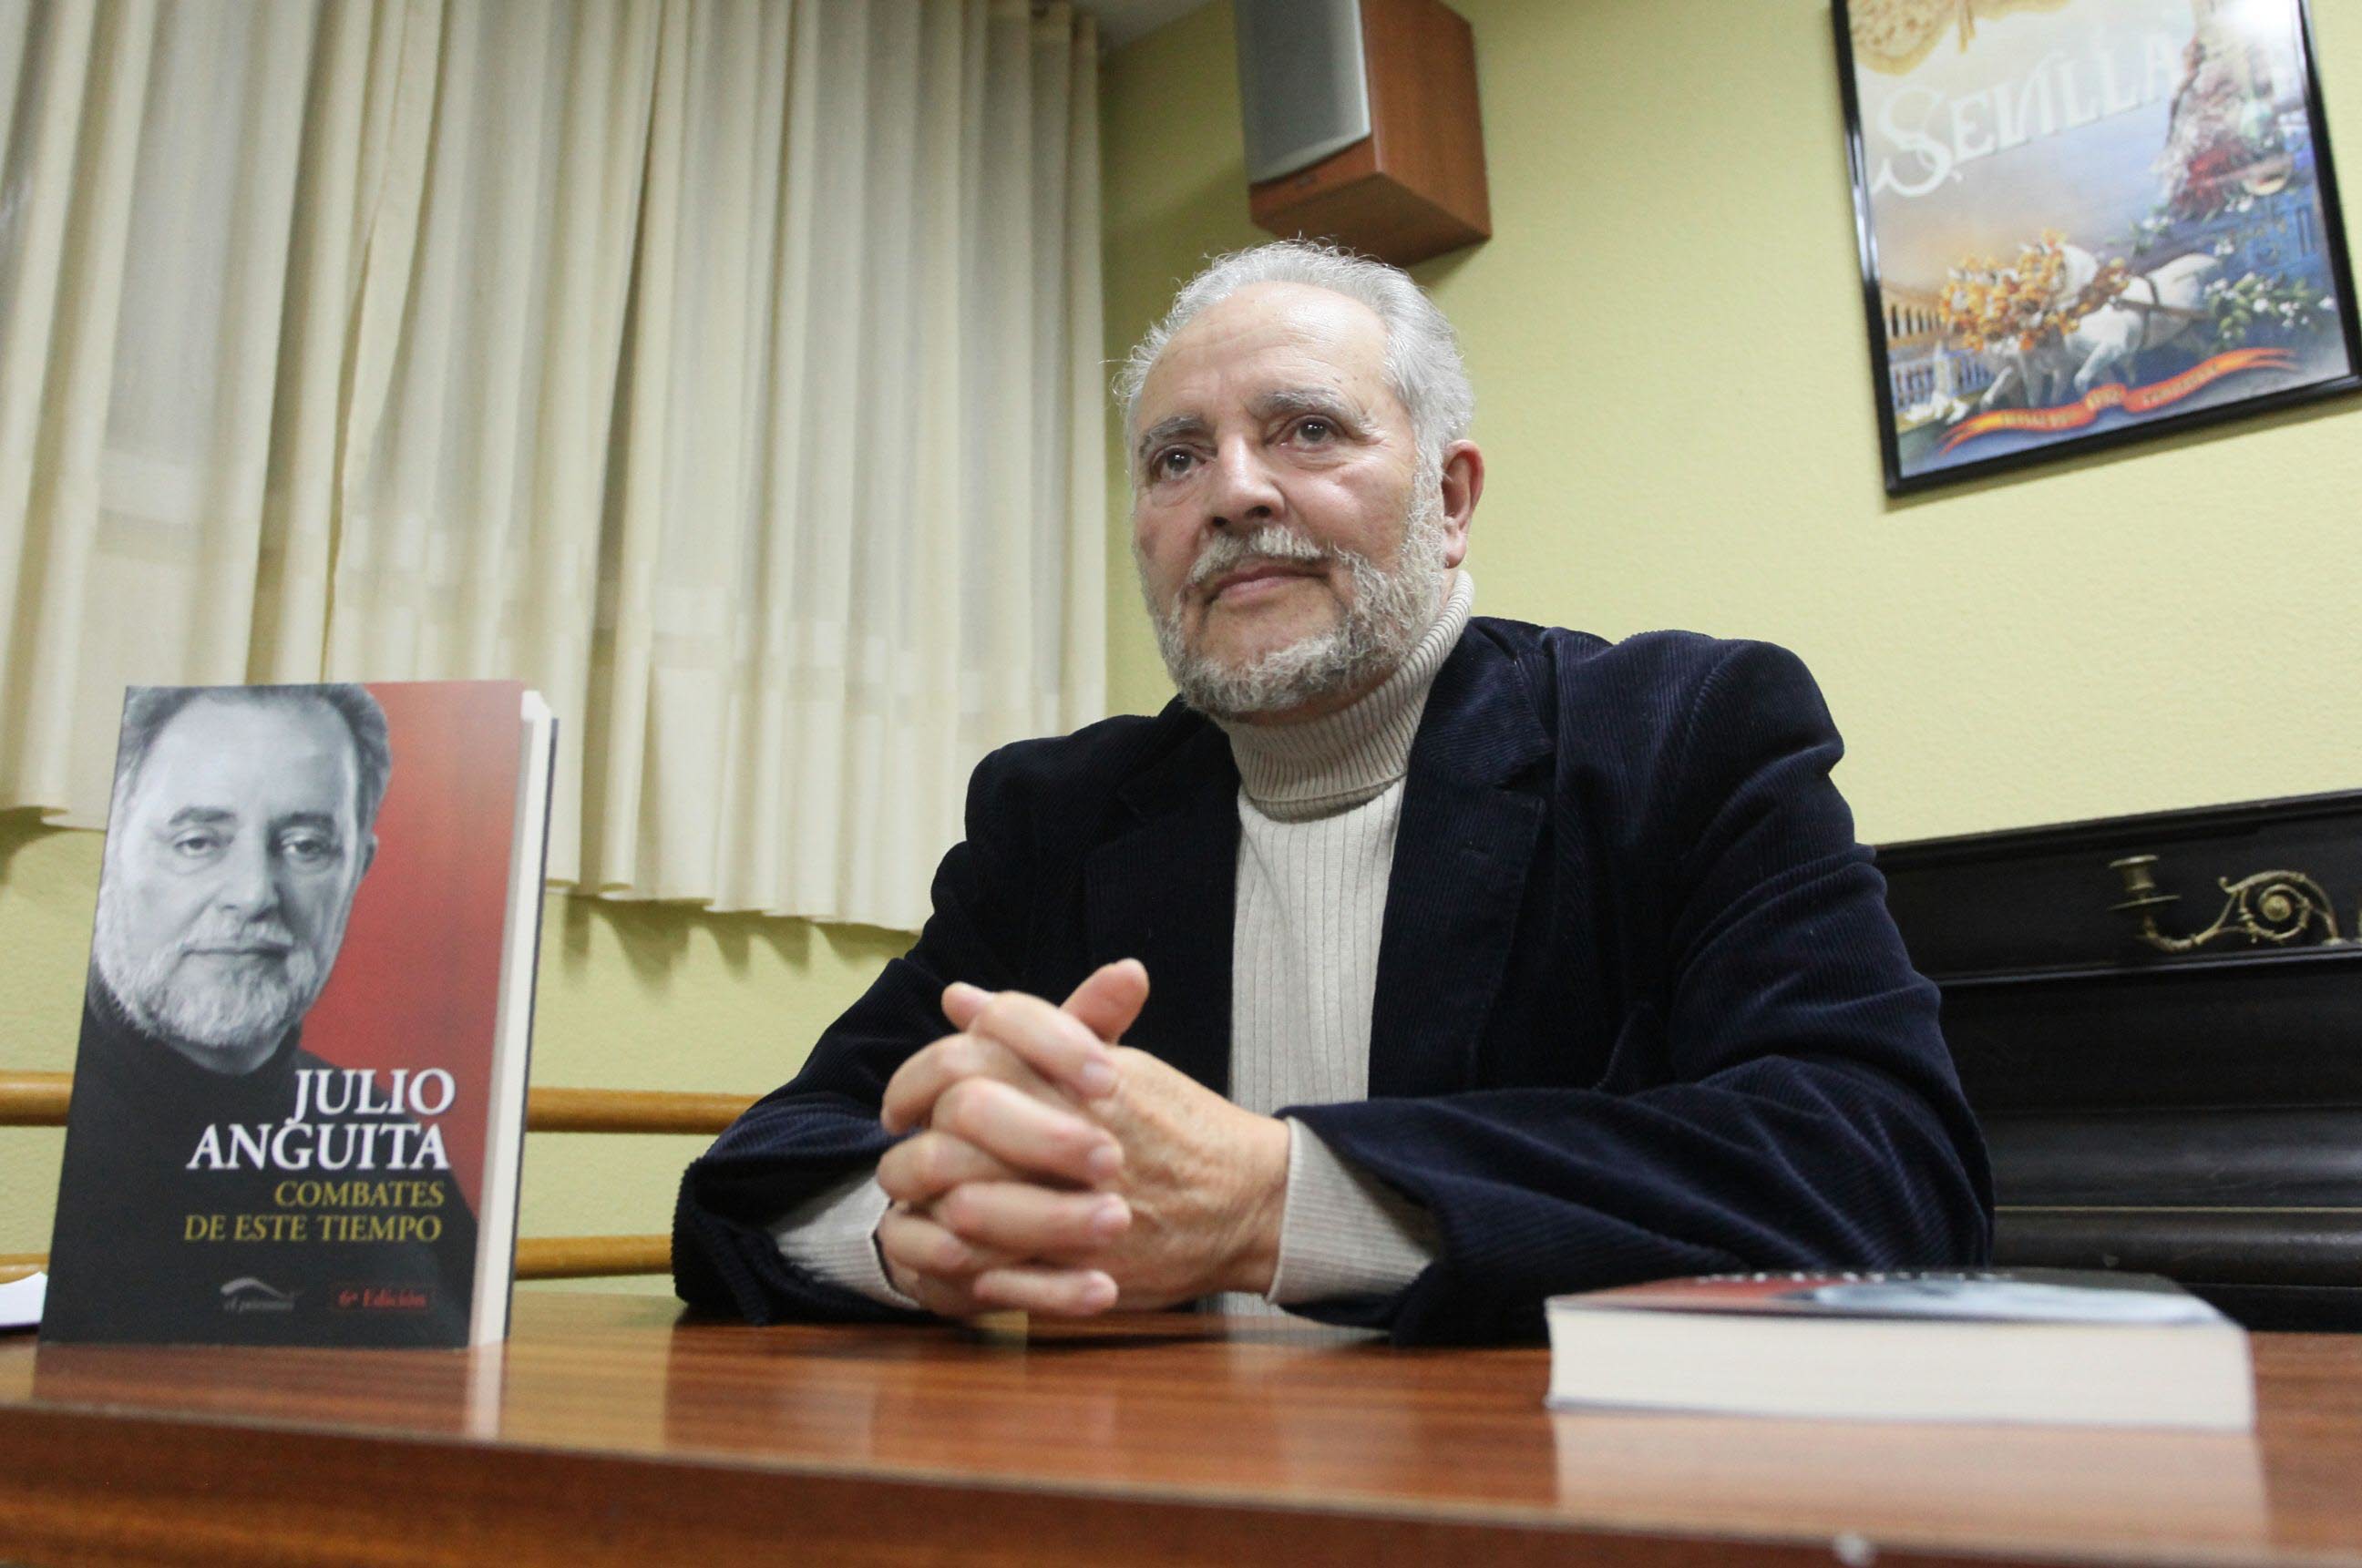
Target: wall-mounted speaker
[1302,83]
[1361,123]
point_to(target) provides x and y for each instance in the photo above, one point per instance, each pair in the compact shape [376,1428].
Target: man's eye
[1172,462]
[308,848]
[196,845]
[1314,428]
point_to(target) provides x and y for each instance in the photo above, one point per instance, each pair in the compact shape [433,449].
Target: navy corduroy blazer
[1640,1010]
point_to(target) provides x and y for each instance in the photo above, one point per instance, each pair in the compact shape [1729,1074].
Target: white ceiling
[1121,21]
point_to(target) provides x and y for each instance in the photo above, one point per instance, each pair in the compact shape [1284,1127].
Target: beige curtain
[727,369]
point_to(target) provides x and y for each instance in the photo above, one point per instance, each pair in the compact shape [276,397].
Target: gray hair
[1423,364]
[148,709]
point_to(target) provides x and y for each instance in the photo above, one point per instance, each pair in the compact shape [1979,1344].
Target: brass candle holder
[2275,906]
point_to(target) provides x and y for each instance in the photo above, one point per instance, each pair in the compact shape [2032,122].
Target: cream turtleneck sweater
[1319,806]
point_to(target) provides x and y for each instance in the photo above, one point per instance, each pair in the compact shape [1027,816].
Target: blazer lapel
[1165,892]
[1462,851]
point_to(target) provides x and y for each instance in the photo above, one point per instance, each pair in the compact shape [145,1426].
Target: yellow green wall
[632,996]
[1673,392]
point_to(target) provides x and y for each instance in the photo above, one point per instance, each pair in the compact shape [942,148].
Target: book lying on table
[298,1105]
[2025,1345]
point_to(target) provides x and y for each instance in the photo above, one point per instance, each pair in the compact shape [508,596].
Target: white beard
[251,1006]
[1390,611]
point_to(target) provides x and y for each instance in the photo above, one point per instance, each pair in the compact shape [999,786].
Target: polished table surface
[613,1428]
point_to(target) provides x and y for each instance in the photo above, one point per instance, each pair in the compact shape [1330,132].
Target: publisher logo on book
[248,1294]
[383,1298]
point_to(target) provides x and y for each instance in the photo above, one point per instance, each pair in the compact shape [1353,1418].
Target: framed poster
[2087,222]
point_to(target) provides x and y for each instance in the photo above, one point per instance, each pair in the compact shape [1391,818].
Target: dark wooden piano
[2159,1020]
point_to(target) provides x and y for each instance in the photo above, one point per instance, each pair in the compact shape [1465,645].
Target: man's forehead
[1291,334]
[300,717]
[215,742]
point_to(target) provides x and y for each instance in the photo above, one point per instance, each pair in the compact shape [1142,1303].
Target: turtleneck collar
[121,1064]
[1297,772]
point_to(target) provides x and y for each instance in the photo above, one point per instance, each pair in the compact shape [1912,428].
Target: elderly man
[242,824]
[239,834]
[1404,970]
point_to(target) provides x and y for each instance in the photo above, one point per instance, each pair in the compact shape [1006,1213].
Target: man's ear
[1463,484]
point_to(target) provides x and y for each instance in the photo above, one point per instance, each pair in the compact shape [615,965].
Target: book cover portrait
[278,1127]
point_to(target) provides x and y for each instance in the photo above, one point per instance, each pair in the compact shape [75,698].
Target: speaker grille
[1303,86]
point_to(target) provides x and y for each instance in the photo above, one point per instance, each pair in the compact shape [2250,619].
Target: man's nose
[1244,492]
[248,885]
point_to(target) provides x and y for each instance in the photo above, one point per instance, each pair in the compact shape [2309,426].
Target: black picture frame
[1930,337]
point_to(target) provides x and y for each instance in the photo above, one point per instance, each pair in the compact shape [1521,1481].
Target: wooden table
[610,1429]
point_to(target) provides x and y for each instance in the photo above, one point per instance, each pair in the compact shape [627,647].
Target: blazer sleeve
[1781,1099]
[823,1125]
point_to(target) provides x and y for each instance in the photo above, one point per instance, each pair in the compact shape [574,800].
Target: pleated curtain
[727,369]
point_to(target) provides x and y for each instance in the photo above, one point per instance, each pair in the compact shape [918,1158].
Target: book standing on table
[298,1105]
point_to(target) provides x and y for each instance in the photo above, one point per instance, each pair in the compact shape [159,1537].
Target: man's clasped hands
[1055,1170]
